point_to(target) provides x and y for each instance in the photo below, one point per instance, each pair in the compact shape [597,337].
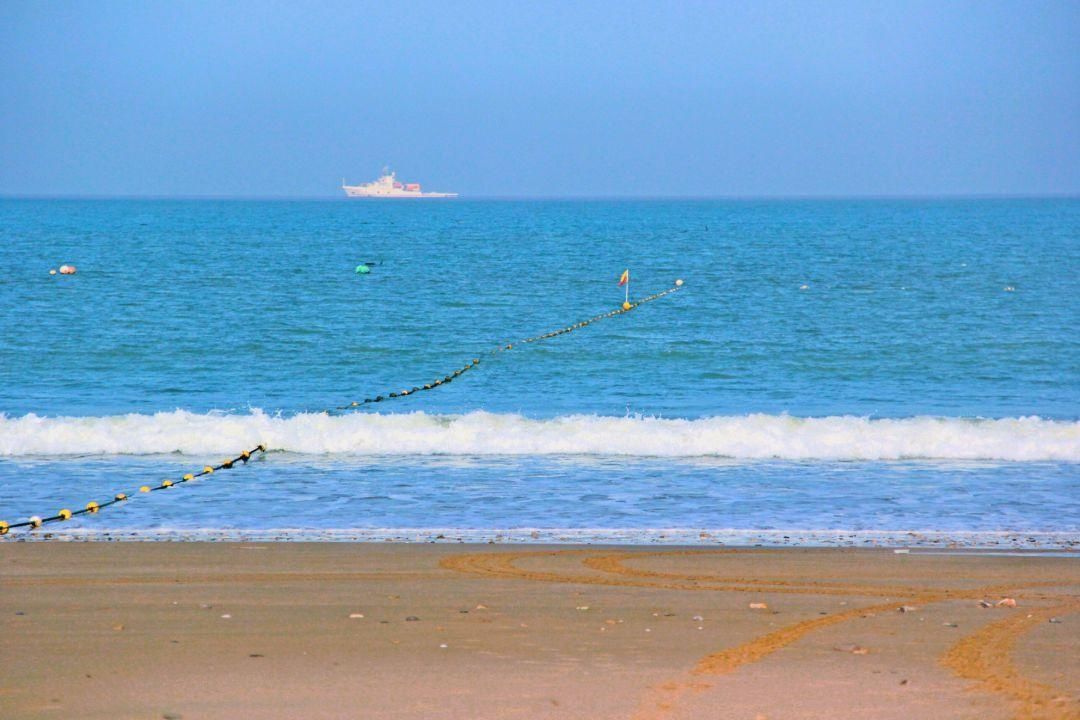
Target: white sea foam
[480,433]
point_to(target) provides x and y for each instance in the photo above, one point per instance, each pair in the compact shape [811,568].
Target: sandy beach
[343,630]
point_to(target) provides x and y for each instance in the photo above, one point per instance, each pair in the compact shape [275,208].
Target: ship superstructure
[388,186]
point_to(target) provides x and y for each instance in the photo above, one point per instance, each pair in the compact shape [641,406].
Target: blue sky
[541,99]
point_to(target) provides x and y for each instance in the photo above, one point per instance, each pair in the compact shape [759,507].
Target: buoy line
[92,507]
[506,347]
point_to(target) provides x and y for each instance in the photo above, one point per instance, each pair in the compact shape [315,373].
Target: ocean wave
[755,436]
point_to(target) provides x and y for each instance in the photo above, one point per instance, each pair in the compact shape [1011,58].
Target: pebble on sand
[906,608]
[356,615]
[759,606]
[852,648]
[1006,602]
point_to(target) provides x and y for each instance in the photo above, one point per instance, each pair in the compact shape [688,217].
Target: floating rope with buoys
[93,507]
[506,347]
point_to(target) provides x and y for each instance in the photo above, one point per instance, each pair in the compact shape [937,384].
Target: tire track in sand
[986,657]
[983,656]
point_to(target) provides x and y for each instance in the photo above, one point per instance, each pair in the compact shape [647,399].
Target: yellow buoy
[144,488]
[626,306]
[92,506]
[64,514]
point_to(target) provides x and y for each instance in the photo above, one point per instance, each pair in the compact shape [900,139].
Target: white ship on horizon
[388,186]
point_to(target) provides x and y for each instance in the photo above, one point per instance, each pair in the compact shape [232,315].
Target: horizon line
[808,197]
[560,198]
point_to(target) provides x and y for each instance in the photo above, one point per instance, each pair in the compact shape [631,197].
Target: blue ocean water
[871,365]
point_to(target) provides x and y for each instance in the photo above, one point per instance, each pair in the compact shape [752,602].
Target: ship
[388,186]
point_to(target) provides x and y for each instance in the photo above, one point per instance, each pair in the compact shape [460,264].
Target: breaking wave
[480,433]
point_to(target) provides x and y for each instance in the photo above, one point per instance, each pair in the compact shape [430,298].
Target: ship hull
[390,188]
[357,192]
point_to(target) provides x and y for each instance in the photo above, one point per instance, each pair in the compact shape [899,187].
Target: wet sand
[344,630]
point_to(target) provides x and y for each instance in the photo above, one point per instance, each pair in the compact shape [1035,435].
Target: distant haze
[540,99]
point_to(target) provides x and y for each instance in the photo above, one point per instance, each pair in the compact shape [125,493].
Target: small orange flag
[624,278]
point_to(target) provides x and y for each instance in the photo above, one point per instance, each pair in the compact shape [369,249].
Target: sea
[831,372]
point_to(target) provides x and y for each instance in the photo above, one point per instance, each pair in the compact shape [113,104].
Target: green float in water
[362,269]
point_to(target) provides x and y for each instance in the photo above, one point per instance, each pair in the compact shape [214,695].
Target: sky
[549,99]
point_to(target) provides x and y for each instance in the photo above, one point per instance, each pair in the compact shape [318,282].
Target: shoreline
[335,630]
[998,540]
